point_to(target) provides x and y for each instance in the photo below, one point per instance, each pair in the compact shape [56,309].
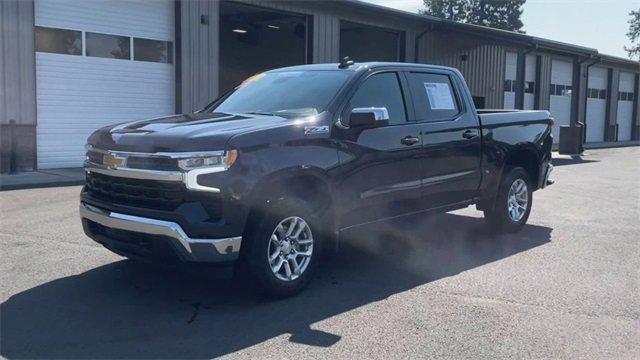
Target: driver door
[381,165]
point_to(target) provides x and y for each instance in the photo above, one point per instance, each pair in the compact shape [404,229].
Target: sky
[599,24]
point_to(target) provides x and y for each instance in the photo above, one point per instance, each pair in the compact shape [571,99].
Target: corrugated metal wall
[17,62]
[482,63]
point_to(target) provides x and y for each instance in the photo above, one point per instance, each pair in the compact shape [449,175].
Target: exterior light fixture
[239,31]
[273,26]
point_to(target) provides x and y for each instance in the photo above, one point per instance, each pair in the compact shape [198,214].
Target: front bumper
[546,180]
[137,236]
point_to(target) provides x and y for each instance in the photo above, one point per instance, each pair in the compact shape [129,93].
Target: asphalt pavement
[567,286]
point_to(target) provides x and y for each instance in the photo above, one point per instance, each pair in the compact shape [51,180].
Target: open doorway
[255,39]
[370,43]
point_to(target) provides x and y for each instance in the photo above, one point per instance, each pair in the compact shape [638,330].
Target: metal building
[69,67]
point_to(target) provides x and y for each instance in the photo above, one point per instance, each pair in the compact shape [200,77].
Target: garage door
[510,70]
[99,63]
[596,104]
[560,95]
[625,106]
[529,81]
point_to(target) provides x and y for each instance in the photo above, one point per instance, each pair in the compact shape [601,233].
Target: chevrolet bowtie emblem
[111,161]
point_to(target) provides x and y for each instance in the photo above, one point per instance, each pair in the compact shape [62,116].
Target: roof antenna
[345,63]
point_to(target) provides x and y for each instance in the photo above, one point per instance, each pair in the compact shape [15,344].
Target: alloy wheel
[290,248]
[518,200]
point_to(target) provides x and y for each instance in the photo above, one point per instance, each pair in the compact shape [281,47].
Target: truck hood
[185,132]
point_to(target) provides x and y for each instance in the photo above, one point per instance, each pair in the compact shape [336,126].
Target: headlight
[214,162]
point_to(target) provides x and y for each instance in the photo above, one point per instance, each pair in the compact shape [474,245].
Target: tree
[454,10]
[634,35]
[499,14]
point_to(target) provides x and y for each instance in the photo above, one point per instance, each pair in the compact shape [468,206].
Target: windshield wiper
[260,113]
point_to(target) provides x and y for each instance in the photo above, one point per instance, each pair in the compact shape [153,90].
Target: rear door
[451,138]
[381,172]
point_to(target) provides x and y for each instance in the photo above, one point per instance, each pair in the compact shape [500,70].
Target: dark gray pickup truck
[268,174]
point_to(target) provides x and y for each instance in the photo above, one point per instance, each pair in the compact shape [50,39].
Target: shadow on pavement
[574,160]
[126,310]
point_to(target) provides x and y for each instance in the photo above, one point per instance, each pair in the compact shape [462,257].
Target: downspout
[416,48]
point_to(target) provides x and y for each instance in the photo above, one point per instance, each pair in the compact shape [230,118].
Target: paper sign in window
[439,96]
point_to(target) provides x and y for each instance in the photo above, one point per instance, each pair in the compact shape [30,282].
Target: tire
[277,220]
[506,218]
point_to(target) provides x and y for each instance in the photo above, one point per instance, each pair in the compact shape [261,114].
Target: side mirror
[369,117]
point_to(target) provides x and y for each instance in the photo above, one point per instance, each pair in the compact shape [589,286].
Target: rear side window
[381,90]
[434,97]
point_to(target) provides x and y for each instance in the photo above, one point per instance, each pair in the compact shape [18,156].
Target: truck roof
[360,66]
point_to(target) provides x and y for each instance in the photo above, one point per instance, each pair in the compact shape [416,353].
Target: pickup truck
[272,172]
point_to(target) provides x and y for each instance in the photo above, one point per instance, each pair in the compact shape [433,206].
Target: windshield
[286,93]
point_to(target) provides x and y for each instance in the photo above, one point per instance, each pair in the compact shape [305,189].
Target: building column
[519,93]
[18,149]
[635,127]
[611,115]
[578,92]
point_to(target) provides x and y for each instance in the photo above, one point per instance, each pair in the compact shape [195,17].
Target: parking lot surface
[567,286]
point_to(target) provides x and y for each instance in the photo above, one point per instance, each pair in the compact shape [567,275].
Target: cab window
[434,96]
[381,90]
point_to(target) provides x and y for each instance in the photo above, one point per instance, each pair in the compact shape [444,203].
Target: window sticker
[439,96]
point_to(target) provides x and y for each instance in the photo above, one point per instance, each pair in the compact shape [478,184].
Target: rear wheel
[513,202]
[284,248]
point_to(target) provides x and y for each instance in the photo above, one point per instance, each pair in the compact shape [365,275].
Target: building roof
[499,34]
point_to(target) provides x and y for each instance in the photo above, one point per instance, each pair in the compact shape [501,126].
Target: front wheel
[513,202]
[284,248]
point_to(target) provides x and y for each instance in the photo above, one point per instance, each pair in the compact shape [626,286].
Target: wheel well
[312,189]
[528,160]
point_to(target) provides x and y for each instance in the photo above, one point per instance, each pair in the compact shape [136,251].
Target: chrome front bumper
[200,250]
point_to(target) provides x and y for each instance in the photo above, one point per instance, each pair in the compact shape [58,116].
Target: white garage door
[510,69]
[596,104]
[625,106]
[560,95]
[529,81]
[99,63]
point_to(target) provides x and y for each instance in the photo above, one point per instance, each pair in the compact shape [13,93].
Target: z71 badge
[310,130]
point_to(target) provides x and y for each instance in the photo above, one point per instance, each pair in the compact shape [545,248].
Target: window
[153,50]
[108,46]
[434,97]
[625,96]
[509,85]
[596,93]
[603,94]
[58,41]
[529,87]
[285,93]
[381,90]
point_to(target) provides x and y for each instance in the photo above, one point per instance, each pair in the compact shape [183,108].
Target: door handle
[470,134]
[410,140]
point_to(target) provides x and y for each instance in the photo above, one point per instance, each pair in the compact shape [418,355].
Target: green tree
[499,14]
[634,35]
[454,10]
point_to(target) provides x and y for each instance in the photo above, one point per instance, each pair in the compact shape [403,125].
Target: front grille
[152,194]
[154,163]
[161,195]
